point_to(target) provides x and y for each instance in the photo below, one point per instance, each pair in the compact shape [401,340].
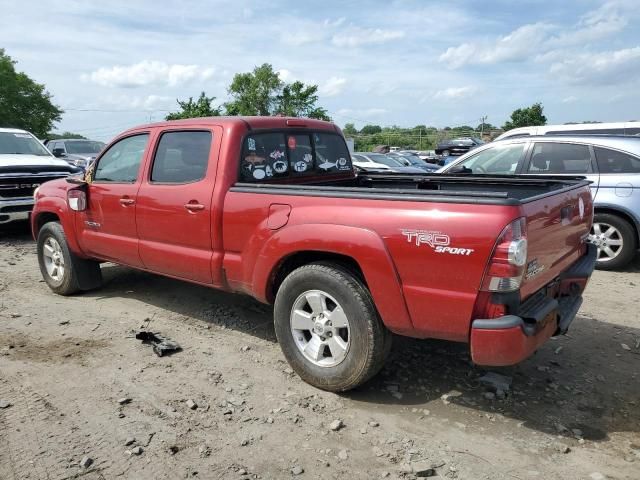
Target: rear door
[107,228]
[174,204]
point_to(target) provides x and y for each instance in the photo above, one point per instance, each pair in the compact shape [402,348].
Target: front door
[174,211]
[107,228]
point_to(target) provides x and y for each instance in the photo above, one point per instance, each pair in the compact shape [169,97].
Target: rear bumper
[15,209]
[509,339]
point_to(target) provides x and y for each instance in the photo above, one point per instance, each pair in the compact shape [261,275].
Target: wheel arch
[360,251]
[625,215]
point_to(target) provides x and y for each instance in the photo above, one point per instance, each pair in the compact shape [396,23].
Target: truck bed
[479,189]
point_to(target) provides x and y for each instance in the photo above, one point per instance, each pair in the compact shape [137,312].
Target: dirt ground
[573,410]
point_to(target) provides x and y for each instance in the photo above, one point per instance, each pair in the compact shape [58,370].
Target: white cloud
[285,75]
[570,99]
[543,41]
[357,37]
[296,38]
[334,23]
[332,87]
[518,45]
[455,93]
[600,68]
[148,73]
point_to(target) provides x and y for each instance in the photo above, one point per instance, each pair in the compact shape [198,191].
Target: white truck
[25,164]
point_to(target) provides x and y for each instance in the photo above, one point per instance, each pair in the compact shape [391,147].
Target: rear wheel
[64,272]
[615,239]
[328,327]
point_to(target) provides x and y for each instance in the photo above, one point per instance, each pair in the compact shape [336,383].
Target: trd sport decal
[437,240]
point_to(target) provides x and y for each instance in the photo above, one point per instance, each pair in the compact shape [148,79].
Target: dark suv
[457,146]
[76,151]
[612,163]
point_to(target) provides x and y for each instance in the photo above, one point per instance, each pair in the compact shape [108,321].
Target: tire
[607,229]
[368,342]
[64,272]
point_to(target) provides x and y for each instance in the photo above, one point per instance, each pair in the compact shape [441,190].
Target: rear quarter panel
[621,193]
[418,290]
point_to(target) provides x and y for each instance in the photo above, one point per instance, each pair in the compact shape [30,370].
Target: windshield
[21,144]
[83,146]
[385,160]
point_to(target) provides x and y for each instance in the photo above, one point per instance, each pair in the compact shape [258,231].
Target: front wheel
[328,327]
[615,239]
[64,272]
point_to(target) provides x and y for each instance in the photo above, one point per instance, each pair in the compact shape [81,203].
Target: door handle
[194,207]
[125,201]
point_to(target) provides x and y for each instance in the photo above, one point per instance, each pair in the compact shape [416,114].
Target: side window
[331,152]
[121,163]
[560,158]
[181,157]
[610,161]
[499,159]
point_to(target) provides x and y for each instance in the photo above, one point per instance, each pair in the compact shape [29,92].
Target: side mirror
[58,152]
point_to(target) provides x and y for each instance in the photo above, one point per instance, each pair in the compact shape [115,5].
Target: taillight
[507,264]
[77,200]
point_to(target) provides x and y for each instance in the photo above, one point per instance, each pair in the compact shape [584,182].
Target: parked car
[385,159]
[612,163]
[429,156]
[24,165]
[411,160]
[367,165]
[615,128]
[76,151]
[457,146]
[271,207]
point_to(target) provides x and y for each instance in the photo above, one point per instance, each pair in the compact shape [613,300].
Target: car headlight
[80,162]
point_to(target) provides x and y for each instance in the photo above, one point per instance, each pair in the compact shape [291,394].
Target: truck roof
[251,123]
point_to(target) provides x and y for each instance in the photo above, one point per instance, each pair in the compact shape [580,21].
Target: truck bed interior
[511,189]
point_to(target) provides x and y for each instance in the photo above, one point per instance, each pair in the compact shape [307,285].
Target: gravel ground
[81,397]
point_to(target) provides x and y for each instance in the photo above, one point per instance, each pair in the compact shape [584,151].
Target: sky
[115,64]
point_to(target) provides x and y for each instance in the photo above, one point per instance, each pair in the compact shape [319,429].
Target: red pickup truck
[272,207]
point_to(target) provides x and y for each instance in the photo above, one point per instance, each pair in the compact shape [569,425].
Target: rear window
[273,155]
[611,161]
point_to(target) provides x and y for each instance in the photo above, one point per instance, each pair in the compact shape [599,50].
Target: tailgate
[557,226]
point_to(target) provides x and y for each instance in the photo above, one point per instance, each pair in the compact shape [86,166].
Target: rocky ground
[81,397]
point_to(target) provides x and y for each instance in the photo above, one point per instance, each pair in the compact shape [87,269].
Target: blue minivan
[612,163]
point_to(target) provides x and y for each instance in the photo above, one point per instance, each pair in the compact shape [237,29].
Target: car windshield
[21,143]
[83,146]
[385,160]
[413,159]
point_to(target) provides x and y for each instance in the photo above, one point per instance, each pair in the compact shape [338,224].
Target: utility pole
[482,120]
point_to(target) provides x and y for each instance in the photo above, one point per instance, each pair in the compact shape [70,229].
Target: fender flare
[58,207]
[364,246]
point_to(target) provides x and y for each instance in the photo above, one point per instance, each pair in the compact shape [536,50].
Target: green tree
[299,100]
[526,117]
[57,136]
[370,129]
[262,92]
[350,129]
[200,108]
[24,103]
